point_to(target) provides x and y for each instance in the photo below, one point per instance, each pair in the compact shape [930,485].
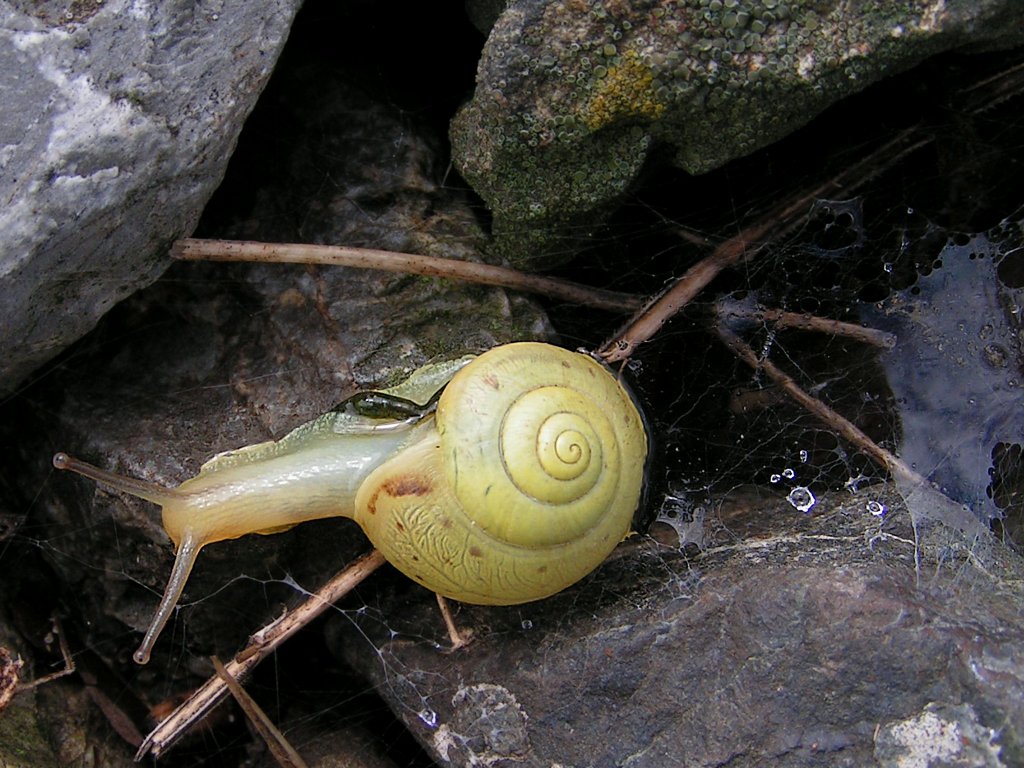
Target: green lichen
[624,92]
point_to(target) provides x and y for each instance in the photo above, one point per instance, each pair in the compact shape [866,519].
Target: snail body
[512,485]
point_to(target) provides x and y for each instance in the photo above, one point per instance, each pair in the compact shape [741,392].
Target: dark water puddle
[955,371]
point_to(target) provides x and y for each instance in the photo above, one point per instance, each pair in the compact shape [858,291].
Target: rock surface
[832,640]
[573,99]
[118,121]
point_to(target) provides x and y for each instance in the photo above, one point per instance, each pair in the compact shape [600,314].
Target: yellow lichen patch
[625,92]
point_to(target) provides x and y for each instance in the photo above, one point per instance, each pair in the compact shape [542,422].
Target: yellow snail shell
[520,484]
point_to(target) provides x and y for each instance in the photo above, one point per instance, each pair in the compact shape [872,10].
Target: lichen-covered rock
[118,120]
[573,98]
[942,734]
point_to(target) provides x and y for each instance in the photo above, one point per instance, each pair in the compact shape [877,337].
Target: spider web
[945,397]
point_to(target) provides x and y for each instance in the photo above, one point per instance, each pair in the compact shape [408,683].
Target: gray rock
[118,121]
[572,100]
[819,641]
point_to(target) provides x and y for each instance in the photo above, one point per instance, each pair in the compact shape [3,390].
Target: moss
[22,743]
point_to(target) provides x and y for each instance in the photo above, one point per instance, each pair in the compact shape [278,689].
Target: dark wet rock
[118,122]
[573,100]
[792,640]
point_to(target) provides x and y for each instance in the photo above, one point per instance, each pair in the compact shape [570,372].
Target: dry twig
[459,638]
[836,421]
[727,311]
[10,668]
[405,263]
[744,245]
[284,753]
[263,644]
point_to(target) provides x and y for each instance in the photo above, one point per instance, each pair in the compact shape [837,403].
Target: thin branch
[992,91]
[727,311]
[459,638]
[917,492]
[262,645]
[750,545]
[649,320]
[888,460]
[406,263]
[745,244]
[285,755]
[65,652]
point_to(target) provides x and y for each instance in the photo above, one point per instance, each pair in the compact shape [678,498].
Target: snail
[515,478]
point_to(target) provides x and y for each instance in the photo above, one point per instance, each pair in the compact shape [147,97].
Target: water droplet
[428,717]
[526,624]
[775,477]
[876,508]
[801,498]
[788,473]
[852,484]
[803,456]
[887,266]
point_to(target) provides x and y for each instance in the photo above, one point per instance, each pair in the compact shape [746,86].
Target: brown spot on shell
[475,552]
[492,381]
[400,527]
[401,485]
[407,485]
[371,505]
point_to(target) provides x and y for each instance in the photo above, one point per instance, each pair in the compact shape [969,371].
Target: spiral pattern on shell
[561,428]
